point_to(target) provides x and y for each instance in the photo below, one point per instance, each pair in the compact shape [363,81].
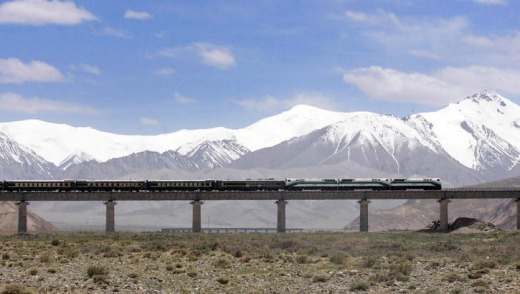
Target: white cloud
[147,121]
[43,12]
[91,69]
[138,15]
[502,49]
[180,99]
[423,37]
[265,104]
[167,71]
[13,70]
[13,102]
[493,2]
[109,31]
[447,85]
[379,18]
[216,56]
[270,103]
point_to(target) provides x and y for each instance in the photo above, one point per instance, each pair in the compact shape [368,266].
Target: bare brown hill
[9,219]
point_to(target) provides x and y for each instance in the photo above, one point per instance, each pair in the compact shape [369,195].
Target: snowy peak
[19,161]
[484,121]
[298,121]
[75,159]
[213,154]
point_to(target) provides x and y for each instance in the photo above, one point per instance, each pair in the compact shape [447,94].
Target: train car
[203,185]
[250,185]
[31,186]
[416,184]
[2,185]
[108,186]
[364,184]
[310,184]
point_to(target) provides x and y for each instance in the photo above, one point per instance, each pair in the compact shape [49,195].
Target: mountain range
[469,142]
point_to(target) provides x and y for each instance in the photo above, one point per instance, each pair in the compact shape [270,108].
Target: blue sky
[149,67]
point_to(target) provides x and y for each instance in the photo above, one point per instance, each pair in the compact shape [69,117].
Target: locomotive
[289,184]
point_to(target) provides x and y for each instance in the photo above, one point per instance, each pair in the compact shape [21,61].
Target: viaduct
[281,199]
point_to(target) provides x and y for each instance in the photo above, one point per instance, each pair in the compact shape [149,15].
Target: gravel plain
[407,262]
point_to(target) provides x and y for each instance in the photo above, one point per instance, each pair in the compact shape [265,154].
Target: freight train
[224,185]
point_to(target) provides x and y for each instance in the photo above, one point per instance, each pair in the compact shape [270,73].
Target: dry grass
[335,262]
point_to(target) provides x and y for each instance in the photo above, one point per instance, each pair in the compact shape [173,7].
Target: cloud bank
[42,12]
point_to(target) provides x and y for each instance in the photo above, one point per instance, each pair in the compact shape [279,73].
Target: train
[289,184]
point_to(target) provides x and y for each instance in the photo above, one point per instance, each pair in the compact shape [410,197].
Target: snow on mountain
[75,159]
[216,154]
[58,142]
[298,121]
[481,131]
[17,161]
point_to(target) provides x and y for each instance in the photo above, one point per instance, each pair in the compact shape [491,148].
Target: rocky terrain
[486,262]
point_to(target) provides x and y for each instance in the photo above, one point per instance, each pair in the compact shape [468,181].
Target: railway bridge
[281,198]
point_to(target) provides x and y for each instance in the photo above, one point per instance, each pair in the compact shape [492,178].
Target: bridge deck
[261,195]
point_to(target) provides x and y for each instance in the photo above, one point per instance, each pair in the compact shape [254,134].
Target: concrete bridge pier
[197,216]
[443,217]
[22,216]
[518,214]
[280,221]
[110,225]
[363,215]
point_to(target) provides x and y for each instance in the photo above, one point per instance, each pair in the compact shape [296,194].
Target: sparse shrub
[302,259]
[222,263]
[320,278]
[46,258]
[369,262]
[191,274]
[206,246]
[133,275]
[404,268]
[337,258]
[68,252]
[432,291]
[95,270]
[52,270]
[484,264]
[100,279]
[359,286]
[223,280]
[454,277]
[5,256]
[170,268]
[457,290]
[15,289]
[474,275]
[55,242]
[33,272]
[480,289]
[480,283]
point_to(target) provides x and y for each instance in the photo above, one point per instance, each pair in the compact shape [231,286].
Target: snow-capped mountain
[481,132]
[17,161]
[58,142]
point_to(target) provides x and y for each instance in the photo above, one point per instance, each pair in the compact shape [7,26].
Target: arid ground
[411,262]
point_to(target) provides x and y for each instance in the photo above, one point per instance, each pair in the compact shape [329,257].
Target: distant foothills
[474,141]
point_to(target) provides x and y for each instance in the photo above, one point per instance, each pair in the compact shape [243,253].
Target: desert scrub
[338,258]
[359,286]
[484,264]
[320,279]
[223,280]
[15,289]
[96,270]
